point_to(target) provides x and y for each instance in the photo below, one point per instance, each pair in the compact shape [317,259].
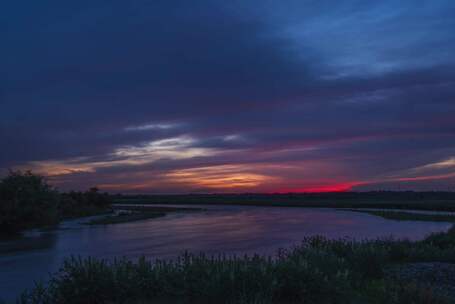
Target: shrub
[26,200]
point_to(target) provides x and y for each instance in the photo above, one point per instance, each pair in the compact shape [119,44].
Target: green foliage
[317,271]
[443,240]
[77,204]
[199,279]
[398,292]
[26,200]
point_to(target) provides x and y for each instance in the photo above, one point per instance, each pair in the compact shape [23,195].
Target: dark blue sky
[215,96]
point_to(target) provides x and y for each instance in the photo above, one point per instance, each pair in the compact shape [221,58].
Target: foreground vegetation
[317,271]
[437,201]
[409,216]
[28,201]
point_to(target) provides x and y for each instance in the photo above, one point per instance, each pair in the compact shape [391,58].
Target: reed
[319,270]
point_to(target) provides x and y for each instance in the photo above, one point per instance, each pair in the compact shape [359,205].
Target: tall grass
[317,271]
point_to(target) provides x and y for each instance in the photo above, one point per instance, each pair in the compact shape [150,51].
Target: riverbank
[317,271]
[408,216]
[127,214]
[47,225]
[426,201]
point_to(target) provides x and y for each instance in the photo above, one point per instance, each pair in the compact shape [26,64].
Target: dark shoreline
[137,213]
[425,201]
[402,215]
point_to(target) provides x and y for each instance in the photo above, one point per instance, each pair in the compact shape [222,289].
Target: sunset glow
[342,187]
[228,96]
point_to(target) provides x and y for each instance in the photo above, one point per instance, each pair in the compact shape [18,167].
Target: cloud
[445,164]
[157,96]
[152,126]
[219,177]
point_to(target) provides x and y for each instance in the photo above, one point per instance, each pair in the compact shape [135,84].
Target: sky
[212,96]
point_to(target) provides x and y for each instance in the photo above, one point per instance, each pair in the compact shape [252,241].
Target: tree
[26,200]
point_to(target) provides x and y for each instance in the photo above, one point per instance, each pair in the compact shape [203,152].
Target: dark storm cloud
[95,68]
[366,89]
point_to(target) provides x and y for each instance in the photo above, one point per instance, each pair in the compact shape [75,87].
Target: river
[217,230]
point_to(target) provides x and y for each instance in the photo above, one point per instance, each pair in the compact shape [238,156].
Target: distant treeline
[28,201]
[443,201]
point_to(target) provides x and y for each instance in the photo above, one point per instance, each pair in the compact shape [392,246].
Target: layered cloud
[238,96]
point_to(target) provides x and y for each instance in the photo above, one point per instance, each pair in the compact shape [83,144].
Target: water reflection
[220,229]
[30,242]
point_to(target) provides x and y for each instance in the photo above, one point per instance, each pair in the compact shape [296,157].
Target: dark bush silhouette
[28,201]
[75,204]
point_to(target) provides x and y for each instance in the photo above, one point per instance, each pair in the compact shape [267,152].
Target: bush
[77,204]
[26,200]
[442,240]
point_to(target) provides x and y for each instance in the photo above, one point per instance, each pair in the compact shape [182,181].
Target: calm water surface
[219,229]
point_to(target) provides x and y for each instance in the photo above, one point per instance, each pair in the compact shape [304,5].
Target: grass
[408,216]
[317,271]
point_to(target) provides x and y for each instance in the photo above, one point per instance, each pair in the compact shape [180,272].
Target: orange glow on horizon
[219,177]
[341,187]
